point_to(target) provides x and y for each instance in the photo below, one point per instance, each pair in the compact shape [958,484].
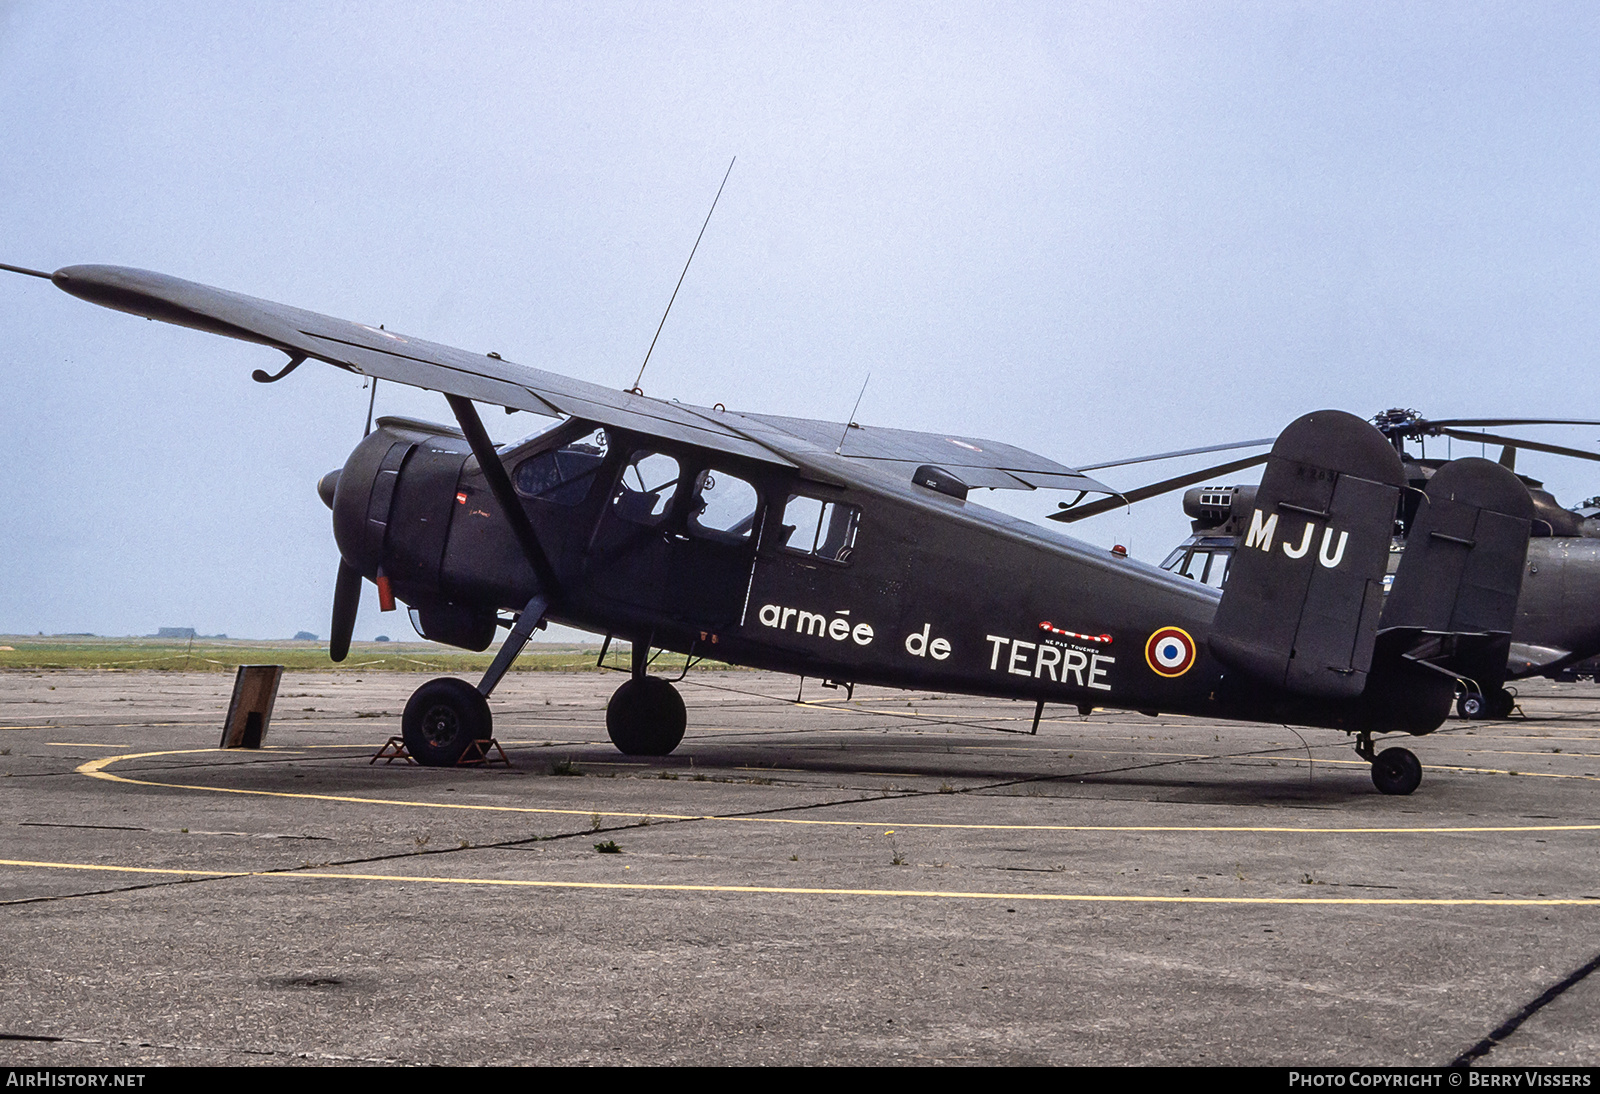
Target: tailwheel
[1396,771]
[1497,703]
[442,719]
[646,717]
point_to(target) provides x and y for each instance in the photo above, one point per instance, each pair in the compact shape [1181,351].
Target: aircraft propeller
[346,599]
[346,587]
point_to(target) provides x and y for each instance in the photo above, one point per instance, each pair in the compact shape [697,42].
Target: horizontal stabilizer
[1305,590]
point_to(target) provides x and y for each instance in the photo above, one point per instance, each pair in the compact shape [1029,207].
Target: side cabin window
[1206,562]
[647,487]
[821,529]
[561,475]
[723,506]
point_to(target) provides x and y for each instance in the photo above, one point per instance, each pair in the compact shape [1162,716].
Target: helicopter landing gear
[646,717]
[442,719]
[1496,704]
[1394,770]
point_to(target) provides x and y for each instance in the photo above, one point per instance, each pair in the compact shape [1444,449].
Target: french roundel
[1170,652]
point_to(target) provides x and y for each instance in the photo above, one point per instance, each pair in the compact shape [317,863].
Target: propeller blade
[1117,501]
[346,599]
[1536,446]
[1180,452]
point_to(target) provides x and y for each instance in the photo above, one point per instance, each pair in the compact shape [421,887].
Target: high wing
[386,355]
[975,461]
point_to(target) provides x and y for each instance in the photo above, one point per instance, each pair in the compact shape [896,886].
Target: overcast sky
[1093,230]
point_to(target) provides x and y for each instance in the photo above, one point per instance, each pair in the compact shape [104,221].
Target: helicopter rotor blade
[1263,441]
[1155,489]
[1536,446]
[346,599]
[1460,422]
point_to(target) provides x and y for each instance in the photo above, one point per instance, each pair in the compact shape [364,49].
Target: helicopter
[853,554]
[1557,627]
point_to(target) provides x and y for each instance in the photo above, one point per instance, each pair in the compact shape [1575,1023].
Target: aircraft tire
[442,719]
[1472,705]
[646,717]
[1501,703]
[1396,771]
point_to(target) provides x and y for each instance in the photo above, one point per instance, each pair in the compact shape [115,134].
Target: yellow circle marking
[1169,672]
[95,769]
[796,890]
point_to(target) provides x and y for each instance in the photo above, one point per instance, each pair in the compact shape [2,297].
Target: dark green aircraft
[852,553]
[1557,624]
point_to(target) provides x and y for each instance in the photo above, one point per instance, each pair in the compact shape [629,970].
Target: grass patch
[46,653]
[608,847]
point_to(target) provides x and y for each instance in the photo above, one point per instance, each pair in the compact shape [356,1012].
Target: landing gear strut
[645,716]
[445,716]
[1394,770]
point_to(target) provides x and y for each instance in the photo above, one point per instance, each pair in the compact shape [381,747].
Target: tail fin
[1455,595]
[1305,590]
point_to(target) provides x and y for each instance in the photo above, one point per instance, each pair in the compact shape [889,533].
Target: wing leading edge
[386,355]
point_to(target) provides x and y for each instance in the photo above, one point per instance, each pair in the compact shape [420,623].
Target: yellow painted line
[95,769]
[1546,753]
[67,723]
[797,890]
[1290,758]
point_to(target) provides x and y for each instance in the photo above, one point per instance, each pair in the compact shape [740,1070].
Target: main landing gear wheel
[1396,771]
[442,719]
[646,717]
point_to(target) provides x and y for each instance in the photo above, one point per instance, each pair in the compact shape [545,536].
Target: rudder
[1305,590]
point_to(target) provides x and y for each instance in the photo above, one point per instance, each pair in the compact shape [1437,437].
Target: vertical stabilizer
[1455,595]
[1305,590]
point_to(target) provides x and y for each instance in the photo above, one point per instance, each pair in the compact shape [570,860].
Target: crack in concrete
[1512,1024]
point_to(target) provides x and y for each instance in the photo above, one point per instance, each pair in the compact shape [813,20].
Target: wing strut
[500,484]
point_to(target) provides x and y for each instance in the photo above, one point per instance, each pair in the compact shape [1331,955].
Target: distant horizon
[592,640]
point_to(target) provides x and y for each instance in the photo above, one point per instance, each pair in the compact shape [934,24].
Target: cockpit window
[823,529]
[561,475]
[724,506]
[648,484]
[1201,564]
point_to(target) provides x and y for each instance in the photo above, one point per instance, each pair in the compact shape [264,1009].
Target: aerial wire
[636,389]
[850,421]
[25,270]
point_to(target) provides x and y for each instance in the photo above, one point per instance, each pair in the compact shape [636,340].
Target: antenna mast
[852,419]
[636,389]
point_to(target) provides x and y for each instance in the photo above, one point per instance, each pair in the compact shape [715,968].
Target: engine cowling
[392,504]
